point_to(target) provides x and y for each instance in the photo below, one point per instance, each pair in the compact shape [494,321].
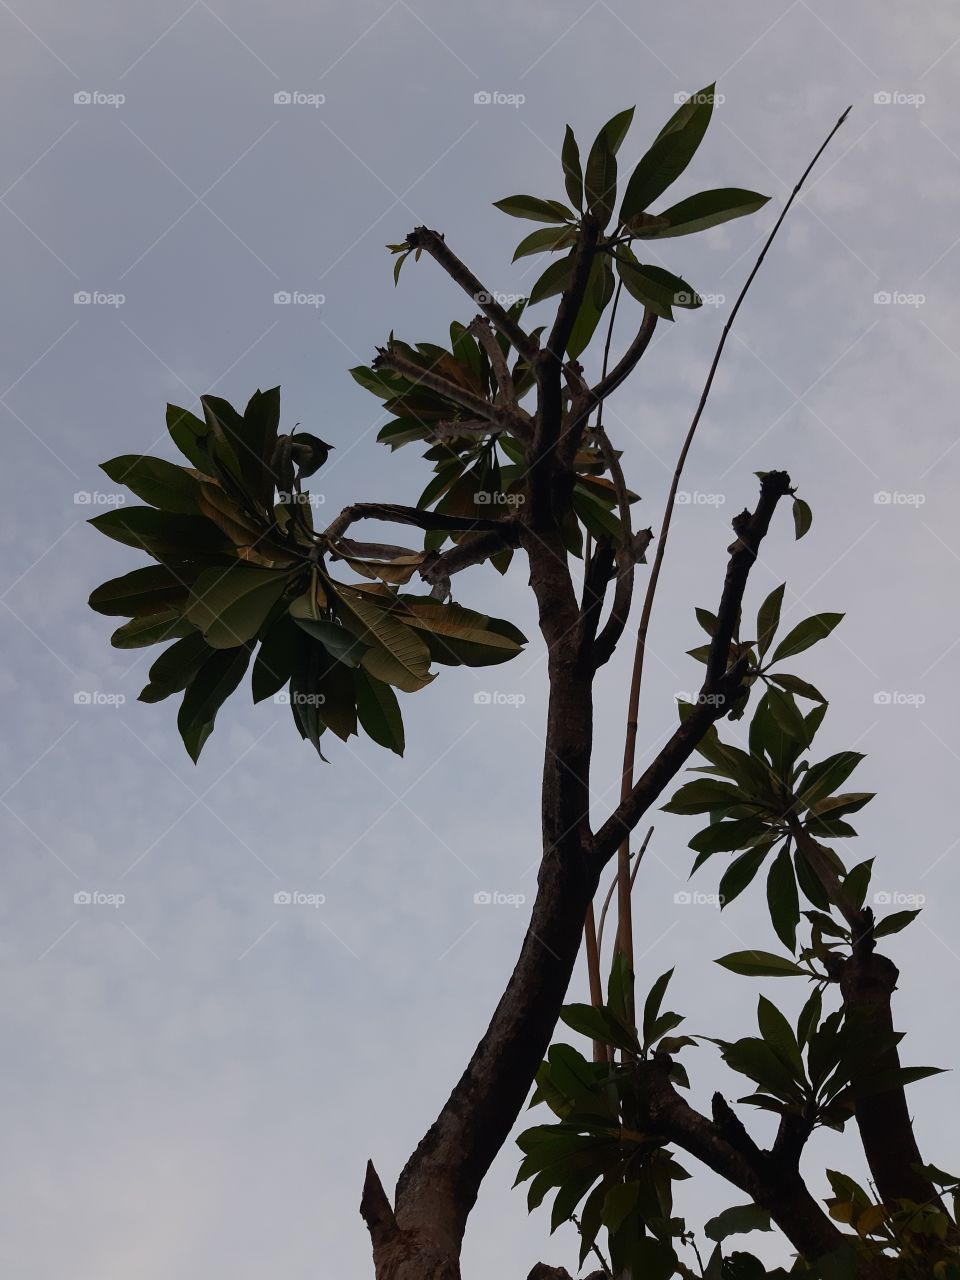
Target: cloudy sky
[194,1076]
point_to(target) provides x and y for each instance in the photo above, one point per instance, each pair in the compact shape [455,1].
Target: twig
[433,243]
[630,744]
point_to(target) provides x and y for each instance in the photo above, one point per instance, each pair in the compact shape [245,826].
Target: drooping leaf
[378,711]
[160,483]
[211,686]
[534,208]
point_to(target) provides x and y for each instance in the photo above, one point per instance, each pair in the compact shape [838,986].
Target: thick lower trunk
[867,984]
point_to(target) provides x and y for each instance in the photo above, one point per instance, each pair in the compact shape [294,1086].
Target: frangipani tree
[523,468]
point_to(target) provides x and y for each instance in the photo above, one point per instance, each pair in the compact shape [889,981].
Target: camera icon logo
[882,899]
[82,298]
[282,898]
[83,98]
[882,698]
[482,698]
[282,99]
[83,898]
[883,98]
[683,898]
[82,698]
[883,298]
[483,898]
[482,98]
[282,298]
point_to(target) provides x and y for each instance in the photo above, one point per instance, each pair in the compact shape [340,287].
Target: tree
[523,463]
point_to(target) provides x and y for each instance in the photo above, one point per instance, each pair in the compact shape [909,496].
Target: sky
[195,1073]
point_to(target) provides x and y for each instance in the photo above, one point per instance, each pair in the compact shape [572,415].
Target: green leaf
[737,1221]
[787,714]
[702,211]
[619,1202]
[740,873]
[554,280]
[277,658]
[651,1006]
[340,643]
[726,836]
[809,1018]
[656,288]
[545,240]
[783,899]
[822,779]
[397,655]
[209,689]
[768,619]
[620,988]
[894,923]
[599,291]
[176,667]
[534,208]
[152,589]
[702,796]
[378,711]
[802,517]
[600,178]
[161,534]
[801,688]
[805,634]
[152,628]
[160,483]
[778,1034]
[670,154]
[572,173]
[760,964]
[599,1024]
[188,433]
[230,605]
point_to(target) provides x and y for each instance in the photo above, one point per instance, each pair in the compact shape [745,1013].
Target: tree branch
[481,330]
[433,243]
[438,568]
[628,361]
[720,685]
[392,513]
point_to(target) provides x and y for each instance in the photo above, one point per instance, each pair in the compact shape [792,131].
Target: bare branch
[392,513]
[433,243]
[439,567]
[720,685]
[481,330]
